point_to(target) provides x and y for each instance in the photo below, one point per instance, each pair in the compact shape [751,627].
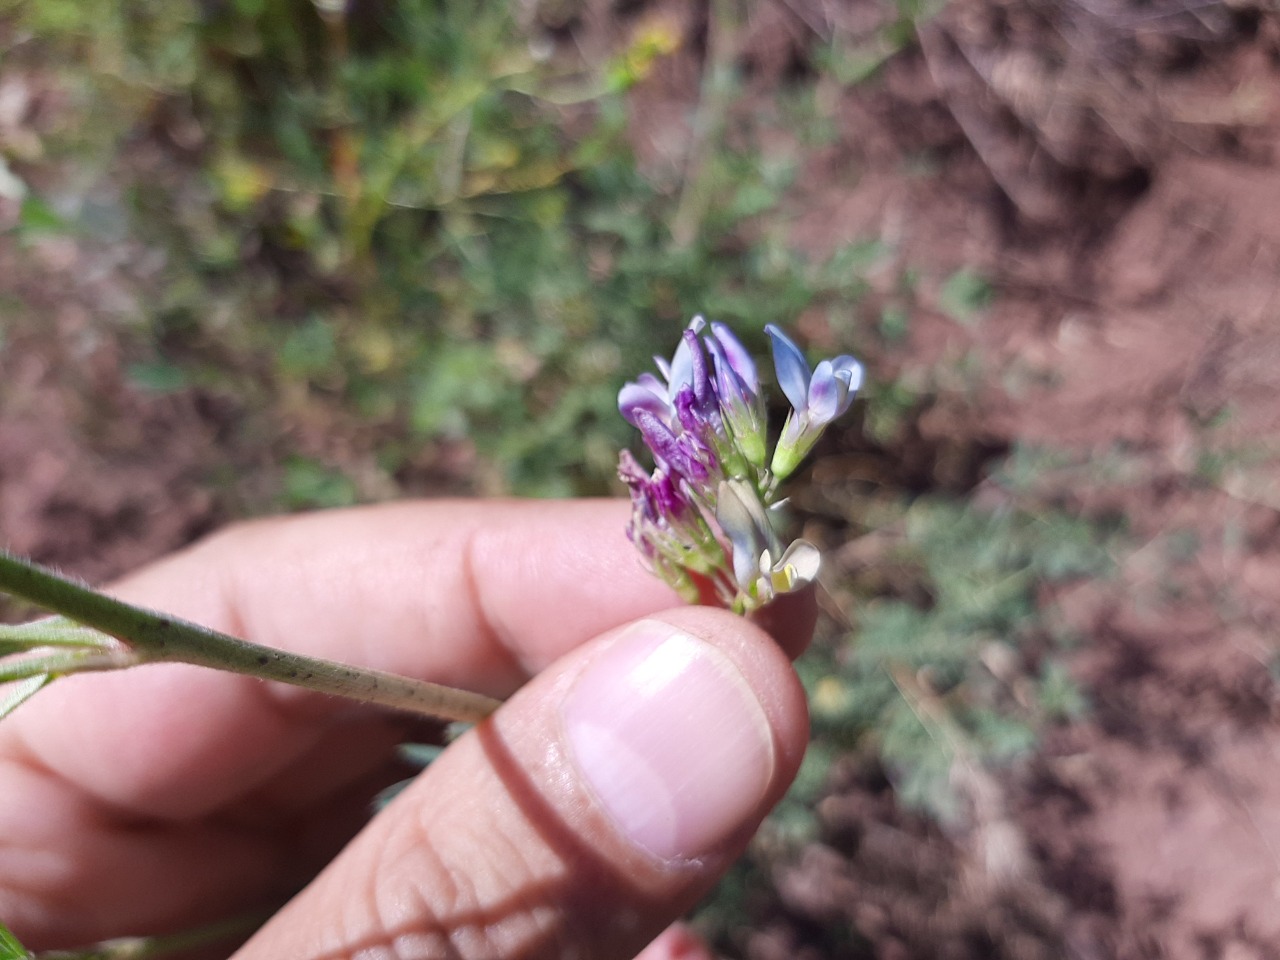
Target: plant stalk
[159,638]
[148,948]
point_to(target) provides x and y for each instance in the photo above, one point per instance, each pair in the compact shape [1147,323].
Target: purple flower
[668,529]
[647,393]
[702,517]
[821,394]
[817,397]
[738,390]
[659,499]
[687,371]
[680,416]
[684,453]
[733,355]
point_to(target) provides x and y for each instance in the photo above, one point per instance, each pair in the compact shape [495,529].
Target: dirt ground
[1112,166]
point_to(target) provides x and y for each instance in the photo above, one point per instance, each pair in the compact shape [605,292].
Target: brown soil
[97,489]
[1117,177]
[1112,168]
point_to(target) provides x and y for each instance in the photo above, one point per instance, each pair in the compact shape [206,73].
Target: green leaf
[1002,737]
[387,794]
[46,665]
[459,380]
[37,217]
[964,295]
[1059,695]
[157,377]
[51,632]
[419,754]
[10,948]
[308,484]
[895,323]
[753,199]
[12,698]
[309,351]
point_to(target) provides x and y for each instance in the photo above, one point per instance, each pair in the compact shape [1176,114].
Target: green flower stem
[14,695]
[146,948]
[159,638]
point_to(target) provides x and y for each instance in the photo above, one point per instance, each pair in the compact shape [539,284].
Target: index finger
[476,594]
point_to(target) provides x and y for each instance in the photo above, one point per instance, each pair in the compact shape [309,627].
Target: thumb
[596,806]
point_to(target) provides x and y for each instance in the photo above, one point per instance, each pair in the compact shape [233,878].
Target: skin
[165,797]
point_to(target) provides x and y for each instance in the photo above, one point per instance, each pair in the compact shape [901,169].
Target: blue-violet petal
[637,396]
[736,355]
[826,393]
[791,367]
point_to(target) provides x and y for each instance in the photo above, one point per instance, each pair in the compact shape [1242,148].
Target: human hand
[596,806]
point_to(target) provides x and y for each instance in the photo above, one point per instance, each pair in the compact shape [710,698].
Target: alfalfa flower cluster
[706,518]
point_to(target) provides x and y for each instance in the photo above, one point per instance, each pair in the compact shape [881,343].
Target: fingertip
[763,659]
[677,942]
[790,619]
[591,811]
[671,740]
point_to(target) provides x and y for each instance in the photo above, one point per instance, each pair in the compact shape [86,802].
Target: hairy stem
[158,637]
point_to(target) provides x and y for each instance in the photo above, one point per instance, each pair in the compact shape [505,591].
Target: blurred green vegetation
[408,223]
[956,661]
[384,213]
